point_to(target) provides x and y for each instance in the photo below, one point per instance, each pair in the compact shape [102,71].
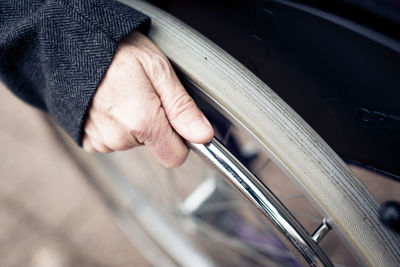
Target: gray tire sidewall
[287,138]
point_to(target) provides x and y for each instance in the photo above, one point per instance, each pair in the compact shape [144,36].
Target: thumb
[182,112]
[180,109]
[185,117]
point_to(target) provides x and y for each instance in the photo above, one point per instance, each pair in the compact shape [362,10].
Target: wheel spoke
[292,196]
[228,133]
[221,206]
[307,215]
[241,246]
[260,168]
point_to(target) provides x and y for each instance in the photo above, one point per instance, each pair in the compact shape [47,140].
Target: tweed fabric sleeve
[54,53]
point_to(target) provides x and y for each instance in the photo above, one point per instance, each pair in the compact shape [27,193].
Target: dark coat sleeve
[54,53]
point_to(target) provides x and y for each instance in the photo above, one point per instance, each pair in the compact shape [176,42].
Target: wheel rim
[215,72]
[321,173]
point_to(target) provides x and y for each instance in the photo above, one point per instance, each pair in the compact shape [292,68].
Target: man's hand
[141,101]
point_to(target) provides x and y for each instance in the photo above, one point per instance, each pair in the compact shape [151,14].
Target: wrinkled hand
[141,101]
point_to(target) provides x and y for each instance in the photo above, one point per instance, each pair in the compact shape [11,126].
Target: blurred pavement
[49,215]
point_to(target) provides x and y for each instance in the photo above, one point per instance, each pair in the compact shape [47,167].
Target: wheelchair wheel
[189,217]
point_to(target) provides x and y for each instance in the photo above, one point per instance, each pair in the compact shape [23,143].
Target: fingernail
[200,129]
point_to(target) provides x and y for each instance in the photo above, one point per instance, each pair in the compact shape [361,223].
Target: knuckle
[114,139]
[139,131]
[153,103]
[177,159]
[99,147]
[175,162]
[104,150]
[141,134]
[115,144]
[155,62]
[147,129]
[86,145]
[181,105]
[89,149]
[158,59]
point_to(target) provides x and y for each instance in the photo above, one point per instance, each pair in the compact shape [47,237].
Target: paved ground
[49,215]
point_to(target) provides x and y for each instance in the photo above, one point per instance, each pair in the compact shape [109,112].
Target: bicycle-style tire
[284,134]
